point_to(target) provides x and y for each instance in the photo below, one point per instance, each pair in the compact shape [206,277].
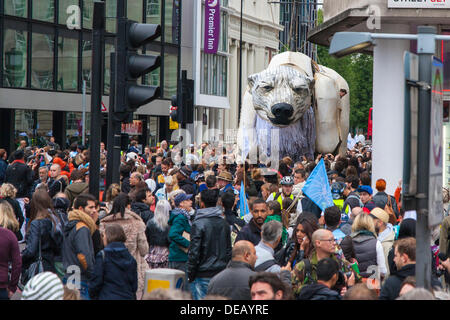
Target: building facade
[390,16]
[45,56]
[260,42]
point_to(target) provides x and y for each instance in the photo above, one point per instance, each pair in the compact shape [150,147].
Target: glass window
[15,58]
[42,46]
[214,74]
[67,64]
[153,131]
[111,14]
[88,13]
[134,10]
[74,127]
[170,75]
[63,5]
[152,78]
[86,63]
[44,10]
[153,13]
[18,8]
[170,27]
[23,125]
[107,81]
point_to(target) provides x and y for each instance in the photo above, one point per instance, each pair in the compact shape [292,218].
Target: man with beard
[384,230]
[252,231]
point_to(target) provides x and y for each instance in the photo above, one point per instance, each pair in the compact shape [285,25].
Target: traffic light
[173,113]
[187,91]
[130,66]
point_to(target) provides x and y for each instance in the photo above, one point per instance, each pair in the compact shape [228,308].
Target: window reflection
[67,64]
[44,10]
[170,75]
[42,61]
[14,58]
[86,63]
[18,8]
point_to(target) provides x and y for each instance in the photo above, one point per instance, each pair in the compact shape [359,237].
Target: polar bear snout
[282,112]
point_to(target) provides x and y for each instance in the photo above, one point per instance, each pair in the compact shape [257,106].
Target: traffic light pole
[98,40]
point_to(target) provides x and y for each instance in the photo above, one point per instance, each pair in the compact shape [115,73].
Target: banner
[317,187]
[212,26]
[133,129]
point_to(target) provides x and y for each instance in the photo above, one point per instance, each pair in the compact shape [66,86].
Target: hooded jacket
[179,223]
[115,274]
[75,189]
[318,291]
[391,287]
[210,245]
[77,245]
[142,210]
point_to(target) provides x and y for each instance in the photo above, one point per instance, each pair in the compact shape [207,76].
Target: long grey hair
[161,215]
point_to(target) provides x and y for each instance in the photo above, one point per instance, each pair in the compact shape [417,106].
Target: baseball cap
[367,189]
[181,197]
[380,214]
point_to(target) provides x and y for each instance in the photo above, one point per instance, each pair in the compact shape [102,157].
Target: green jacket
[178,224]
[284,234]
[444,235]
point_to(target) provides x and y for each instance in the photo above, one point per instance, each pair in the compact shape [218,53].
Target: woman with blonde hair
[8,193]
[7,218]
[363,246]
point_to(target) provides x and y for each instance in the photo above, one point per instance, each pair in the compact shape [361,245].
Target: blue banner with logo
[317,187]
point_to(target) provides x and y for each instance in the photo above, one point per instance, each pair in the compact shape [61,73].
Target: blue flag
[317,187]
[243,205]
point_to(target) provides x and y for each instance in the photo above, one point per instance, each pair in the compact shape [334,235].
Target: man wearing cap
[184,181]
[224,182]
[365,194]
[384,230]
[180,229]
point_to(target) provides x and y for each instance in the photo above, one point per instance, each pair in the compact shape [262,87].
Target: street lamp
[344,43]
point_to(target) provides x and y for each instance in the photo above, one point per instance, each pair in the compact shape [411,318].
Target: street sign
[435,215]
[104,109]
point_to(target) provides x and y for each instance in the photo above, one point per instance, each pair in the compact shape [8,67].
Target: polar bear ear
[252,79]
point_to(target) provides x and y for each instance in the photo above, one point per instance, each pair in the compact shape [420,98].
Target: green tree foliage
[357,70]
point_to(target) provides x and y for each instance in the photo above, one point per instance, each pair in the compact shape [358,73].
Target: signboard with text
[212,26]
[133,129]
[419,4]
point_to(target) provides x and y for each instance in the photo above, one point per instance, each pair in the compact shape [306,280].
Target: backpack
[265,265]
[308,272]
[390,211]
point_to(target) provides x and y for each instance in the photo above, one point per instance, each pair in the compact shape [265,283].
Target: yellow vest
[280,199]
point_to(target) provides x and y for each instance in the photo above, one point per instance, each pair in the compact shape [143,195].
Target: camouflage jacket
[300,279]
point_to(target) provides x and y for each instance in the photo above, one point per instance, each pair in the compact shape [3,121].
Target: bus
[369,125]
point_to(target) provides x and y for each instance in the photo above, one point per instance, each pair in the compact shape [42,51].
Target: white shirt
[381,261]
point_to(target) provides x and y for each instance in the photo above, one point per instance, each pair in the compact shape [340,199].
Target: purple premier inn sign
[212,26]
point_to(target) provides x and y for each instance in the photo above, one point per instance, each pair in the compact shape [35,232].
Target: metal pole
[83,140]
[98,39]
[423,253]
[240,66]
[112,123]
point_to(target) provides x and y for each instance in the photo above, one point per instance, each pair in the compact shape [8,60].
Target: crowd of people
[58,241]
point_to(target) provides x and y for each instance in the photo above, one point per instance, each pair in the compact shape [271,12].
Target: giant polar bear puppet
[299,98]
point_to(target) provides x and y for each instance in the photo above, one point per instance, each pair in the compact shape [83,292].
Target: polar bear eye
[267,87]
[299,89]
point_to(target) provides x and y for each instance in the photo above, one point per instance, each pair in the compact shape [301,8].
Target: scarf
[83,217]
[18,161]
